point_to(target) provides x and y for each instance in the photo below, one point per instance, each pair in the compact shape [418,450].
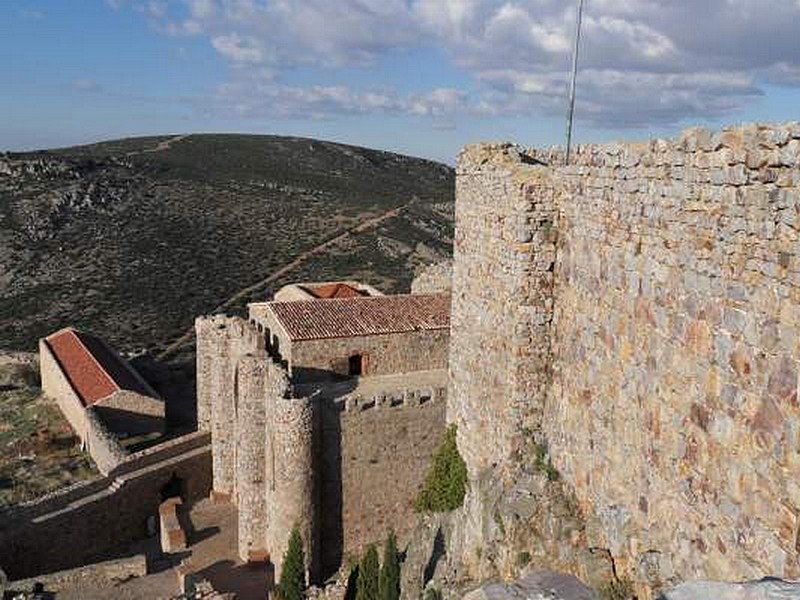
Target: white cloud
[240,50]
[644,61]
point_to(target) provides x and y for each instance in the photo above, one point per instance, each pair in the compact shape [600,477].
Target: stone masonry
[339,457]
[638,312]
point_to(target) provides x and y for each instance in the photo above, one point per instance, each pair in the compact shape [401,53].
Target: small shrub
[446,482]
[367,582]
[618,589]
[389,582]
[352,582]
[292,585]
[523,559]
[541,463]
[433,593]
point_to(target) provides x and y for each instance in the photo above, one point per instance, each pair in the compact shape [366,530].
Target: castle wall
[374,453]
[501,303]
[382,354]
[251,454]
[675,336]
[221,342]
[95,520]
[290,499]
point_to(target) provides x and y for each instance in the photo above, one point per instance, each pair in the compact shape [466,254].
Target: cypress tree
[389,584]
[292,585]
[446,482]
[367,583]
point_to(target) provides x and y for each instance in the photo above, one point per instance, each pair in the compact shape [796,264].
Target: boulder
[535,585]
[765,589]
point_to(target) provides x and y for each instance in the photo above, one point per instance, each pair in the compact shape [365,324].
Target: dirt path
[161,146]
[288,267]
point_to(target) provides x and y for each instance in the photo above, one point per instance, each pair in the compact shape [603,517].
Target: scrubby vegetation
[38,450]
[542,463]
[134,244]
[446,482]
[389,583]
[618,589]
[367,584]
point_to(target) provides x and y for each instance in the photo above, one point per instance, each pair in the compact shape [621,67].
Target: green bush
[389,583]
[446,482]
[523,559]
[367,582]
[618,589]
[432,593]
[292,585]
[543,465]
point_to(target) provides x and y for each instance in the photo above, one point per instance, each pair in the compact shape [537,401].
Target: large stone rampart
[502,305]
[660,359]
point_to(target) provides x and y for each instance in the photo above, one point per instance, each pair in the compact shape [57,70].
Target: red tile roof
[362,315]
[334,290]
[91,368]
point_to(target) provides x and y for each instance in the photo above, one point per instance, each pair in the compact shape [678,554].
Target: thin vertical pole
[573,80]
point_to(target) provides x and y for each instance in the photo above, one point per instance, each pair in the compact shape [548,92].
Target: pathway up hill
[132,238]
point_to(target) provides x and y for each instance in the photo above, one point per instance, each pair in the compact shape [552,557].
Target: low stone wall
[103,574]
[98,519]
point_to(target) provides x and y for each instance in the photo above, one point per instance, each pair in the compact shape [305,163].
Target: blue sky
[422,77]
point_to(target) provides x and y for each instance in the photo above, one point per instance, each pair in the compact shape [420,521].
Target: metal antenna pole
[571,113]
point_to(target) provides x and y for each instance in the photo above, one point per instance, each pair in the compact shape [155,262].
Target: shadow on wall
[311,375]
[246,581]
[329,508]
[120,421]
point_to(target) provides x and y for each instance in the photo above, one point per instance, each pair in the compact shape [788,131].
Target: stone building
[105,400]
[324,410]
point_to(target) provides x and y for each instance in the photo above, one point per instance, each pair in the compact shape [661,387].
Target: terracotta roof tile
[334,290]
[363,315]
[93,370]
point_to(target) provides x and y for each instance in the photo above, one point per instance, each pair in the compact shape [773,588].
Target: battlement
[406,398]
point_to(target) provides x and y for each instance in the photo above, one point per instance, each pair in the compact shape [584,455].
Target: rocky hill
[134,238]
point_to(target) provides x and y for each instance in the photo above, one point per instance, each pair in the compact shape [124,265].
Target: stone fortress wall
[639,312]
[342,464]
[374,453]
[94,520]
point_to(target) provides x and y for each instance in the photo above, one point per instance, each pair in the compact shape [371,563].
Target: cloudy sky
[417,76]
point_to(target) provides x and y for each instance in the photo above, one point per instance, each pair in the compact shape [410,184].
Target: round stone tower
[290,481]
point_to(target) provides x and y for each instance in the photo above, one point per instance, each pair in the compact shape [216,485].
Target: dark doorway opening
[174,488]
[355,365]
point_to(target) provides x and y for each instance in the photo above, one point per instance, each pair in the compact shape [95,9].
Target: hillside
[134,238]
